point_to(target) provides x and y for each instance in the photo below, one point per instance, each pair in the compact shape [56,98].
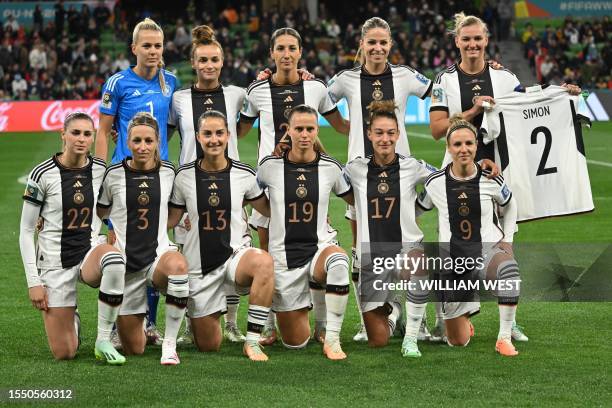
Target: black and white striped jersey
[271,103]
[454,92]
[360,88]
[189,104]
[138,202]
[467,208]
[385,198]
[214,201]
[67,199]
[299,200]
[539,147]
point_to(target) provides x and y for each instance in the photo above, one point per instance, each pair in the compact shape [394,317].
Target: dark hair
[285,31]
[76,116]
[146,119]
[212,114]
[203,35]
[457,122]
[382,109]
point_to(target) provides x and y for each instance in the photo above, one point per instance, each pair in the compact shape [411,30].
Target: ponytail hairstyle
[374,22]
[146,119]
[382,109]
[317,145]
[457,122]
[285,31]
[148,24]
[461,20]
[203,35]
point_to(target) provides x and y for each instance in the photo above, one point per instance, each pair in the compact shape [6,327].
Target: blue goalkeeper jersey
[125,94]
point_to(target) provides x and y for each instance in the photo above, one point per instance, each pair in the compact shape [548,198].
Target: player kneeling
[135,195]
[213,190]
[466,200]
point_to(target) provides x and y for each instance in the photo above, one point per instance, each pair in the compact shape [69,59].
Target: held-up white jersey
[272,104]
[539,147]
[67,200]
[385,198]
[189,104]
[360,88]
[139,210]
[214,201]
[467,208]
[299,200]
[454,92]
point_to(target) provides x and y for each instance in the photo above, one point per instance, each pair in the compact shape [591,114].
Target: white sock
[439,314]
[176,302]
[110,297]
[232,303]
[271,322]
[336,294]
[414,315]
[319,308]
[507,313]
[392,319]
[358,301]
[257,317]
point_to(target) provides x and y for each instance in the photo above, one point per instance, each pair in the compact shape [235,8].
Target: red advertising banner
[43,115]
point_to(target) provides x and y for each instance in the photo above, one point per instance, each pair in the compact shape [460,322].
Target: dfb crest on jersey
[301,191]
[214,200]
[464,211]
[383,188]
[143,198]
[78,198]
[377,95]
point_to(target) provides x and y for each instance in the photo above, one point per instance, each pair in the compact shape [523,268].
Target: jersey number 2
[542,169]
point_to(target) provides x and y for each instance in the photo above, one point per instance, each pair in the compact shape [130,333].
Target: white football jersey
[385,199]
[67,198]
[360,88]
[454,92]
[138,202]
[189,104]
[539,147]
[272,104]
[299,200]
[214,201]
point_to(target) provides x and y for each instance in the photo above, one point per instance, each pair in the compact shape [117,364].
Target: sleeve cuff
[32,200]
[335,109]
[438,108]
[263,193]
[175,205]
[428,90]
[101,205]
[350,190]
[247,118]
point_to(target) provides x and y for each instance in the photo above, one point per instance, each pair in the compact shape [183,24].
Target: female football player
[302,244]
[135,195]
[146,87]
[214,190]
[63,191]
[466,200]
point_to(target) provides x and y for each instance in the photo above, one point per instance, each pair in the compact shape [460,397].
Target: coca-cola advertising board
[43,115]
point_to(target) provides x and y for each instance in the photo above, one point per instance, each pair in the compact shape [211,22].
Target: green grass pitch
[564,362]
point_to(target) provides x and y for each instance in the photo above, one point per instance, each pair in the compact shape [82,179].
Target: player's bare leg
[458,331]
[294,328]
[61,335]
[377,326]
[132,333]
[207,333]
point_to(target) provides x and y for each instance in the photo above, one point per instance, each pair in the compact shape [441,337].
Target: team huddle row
[303,266]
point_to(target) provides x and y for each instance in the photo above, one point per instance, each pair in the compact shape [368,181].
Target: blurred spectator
[121,63]
[101,14]
[11,23]
[60,15]
[38,57]
[37,17]
[505,13]
[18,85]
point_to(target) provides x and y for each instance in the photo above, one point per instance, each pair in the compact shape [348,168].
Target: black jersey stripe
[270,157]
[373,87]
[112,168]
[187,166]
[256,84]
[409,68]
[243,166]
[428,91]
[356,69]
[330,159]
[318,80]
[42,168]
[434,175]
[577,129]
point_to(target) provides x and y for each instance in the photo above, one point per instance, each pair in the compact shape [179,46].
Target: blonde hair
[371,23]
[382,109]
[146,119]
[457,122]
[461,20]
[203,35]
[148,24]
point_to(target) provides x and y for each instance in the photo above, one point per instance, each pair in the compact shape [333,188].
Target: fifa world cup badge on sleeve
[437,95]
[31,191]
[106,100]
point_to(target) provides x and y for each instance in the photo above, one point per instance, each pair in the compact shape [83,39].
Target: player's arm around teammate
[302,245]
[63,191]
[214,190]
[135,194]
[475,196]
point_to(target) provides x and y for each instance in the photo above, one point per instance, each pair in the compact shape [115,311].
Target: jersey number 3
[542,169]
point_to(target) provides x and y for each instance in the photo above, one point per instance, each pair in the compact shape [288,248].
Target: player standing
[214,189]
[145,87]
[63,191]
[302,245]
[374,80]
[135,194]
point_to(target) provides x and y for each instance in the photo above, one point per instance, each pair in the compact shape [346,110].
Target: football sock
[319,309]
[336,294]
[507,314]
[257,317]
[232,302]
[152,301]
[110,296]
[393,316]
[439,314]
[416,304]
[176,302]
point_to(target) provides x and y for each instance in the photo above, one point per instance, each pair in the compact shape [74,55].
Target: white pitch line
[426,136]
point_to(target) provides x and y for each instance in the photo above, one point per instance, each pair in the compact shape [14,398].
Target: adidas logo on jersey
[376,83]
[288,99]
[208,102]
[301,177]
[462,196]
[77,184]
[476,88]
[143,185]
[213,186]
[383,174]
[136,93]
